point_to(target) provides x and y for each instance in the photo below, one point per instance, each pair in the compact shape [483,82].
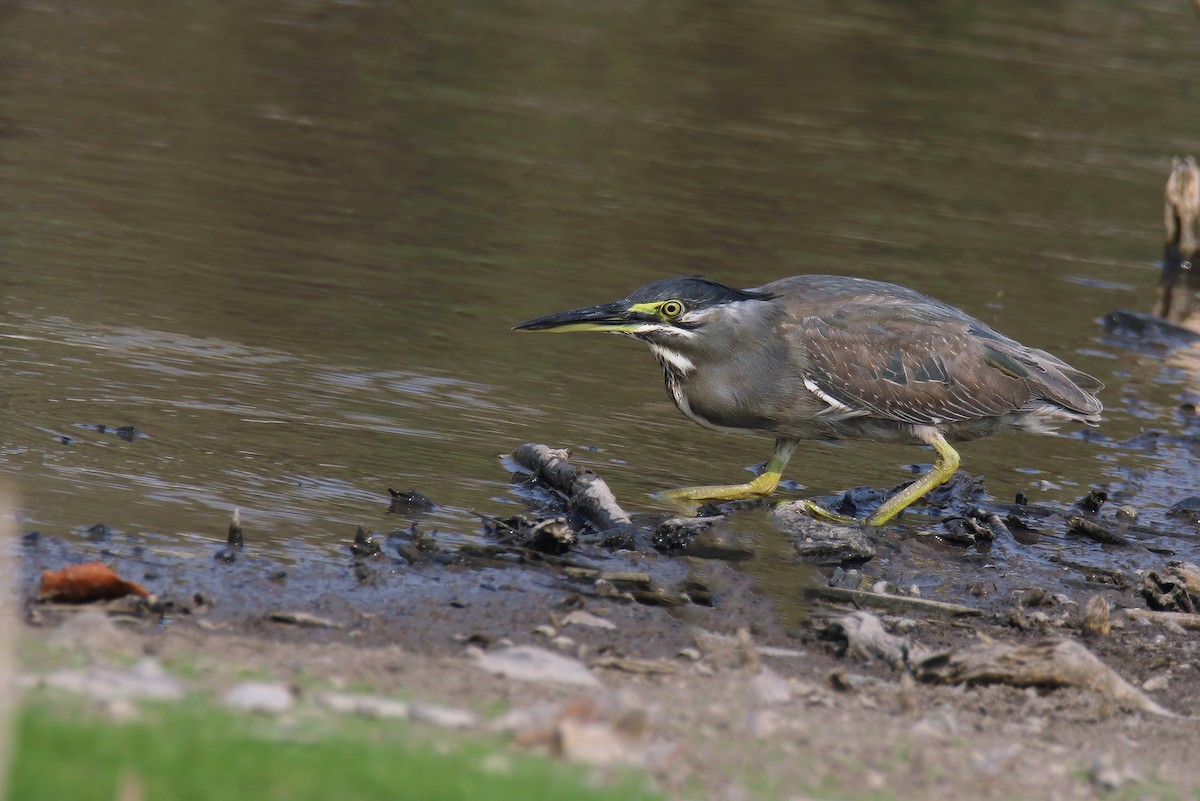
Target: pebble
[582,618]
[260,696]
[375,706]
[1156,682]
[530,663]
[447,717]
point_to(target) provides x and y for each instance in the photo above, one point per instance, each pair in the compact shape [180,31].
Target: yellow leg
[760,487]
[943,467]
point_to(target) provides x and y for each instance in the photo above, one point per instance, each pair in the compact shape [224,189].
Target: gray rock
[260,696]
[146,679]
[819,542]
[375,706]
[530,663]
[445,716]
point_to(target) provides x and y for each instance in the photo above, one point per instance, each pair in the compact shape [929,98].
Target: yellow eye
[671,309]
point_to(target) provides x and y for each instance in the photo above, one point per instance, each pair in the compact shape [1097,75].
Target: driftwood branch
[1047,663]
[1058,663]
[586,491]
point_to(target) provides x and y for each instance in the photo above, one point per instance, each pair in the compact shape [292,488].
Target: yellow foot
[717,493]
[821,513]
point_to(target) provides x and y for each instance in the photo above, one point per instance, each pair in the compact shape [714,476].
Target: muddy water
[286,242]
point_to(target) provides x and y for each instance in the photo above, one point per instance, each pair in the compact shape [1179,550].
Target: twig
[1181,619]
[889,601]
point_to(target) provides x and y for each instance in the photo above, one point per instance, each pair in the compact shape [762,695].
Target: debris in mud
[127,433]
[702,537]
[407,503]
[583,490]
[866,640]
[1097,532]
[1178,620]
[91,581]
[821,543]
[1050,663]
[99,533]
[303,619]
[1176,588]
[417,547]
[861,597]
[1092,502]
[552,535]
[234,539]
[1021,531]
[1047,663]
[365,546]
[1187,510]
[635,665]
[965,531]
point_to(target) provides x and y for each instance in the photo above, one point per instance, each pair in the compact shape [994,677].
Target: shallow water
[287,242]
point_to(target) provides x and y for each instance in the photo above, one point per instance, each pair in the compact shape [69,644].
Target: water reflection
[287,241]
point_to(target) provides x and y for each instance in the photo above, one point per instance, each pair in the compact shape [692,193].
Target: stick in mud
[1181,619]
[587,491]
[888,601]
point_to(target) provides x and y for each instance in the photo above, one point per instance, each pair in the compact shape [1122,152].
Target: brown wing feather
[914,365]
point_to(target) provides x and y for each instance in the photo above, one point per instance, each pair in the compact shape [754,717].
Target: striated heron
[833,357]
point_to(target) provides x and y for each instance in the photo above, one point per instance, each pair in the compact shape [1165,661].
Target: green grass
[192,751]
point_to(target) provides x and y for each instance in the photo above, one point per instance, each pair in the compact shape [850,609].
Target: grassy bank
[191,751]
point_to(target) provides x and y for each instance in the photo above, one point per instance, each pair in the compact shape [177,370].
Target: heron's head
[670,314]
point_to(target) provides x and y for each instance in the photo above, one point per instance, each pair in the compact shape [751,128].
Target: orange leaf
[93,581]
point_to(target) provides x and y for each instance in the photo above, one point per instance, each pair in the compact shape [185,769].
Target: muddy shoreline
[689,628]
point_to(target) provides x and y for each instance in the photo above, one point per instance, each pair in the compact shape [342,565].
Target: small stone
[445,716]
[821,543]
[374,706]
[563,643]
[582,618]
[1096,618]
[549,632]
[1156,682]
[259,696]
[880,587]
[1127,513]
[530,663]
[1187,510]
[692,654]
